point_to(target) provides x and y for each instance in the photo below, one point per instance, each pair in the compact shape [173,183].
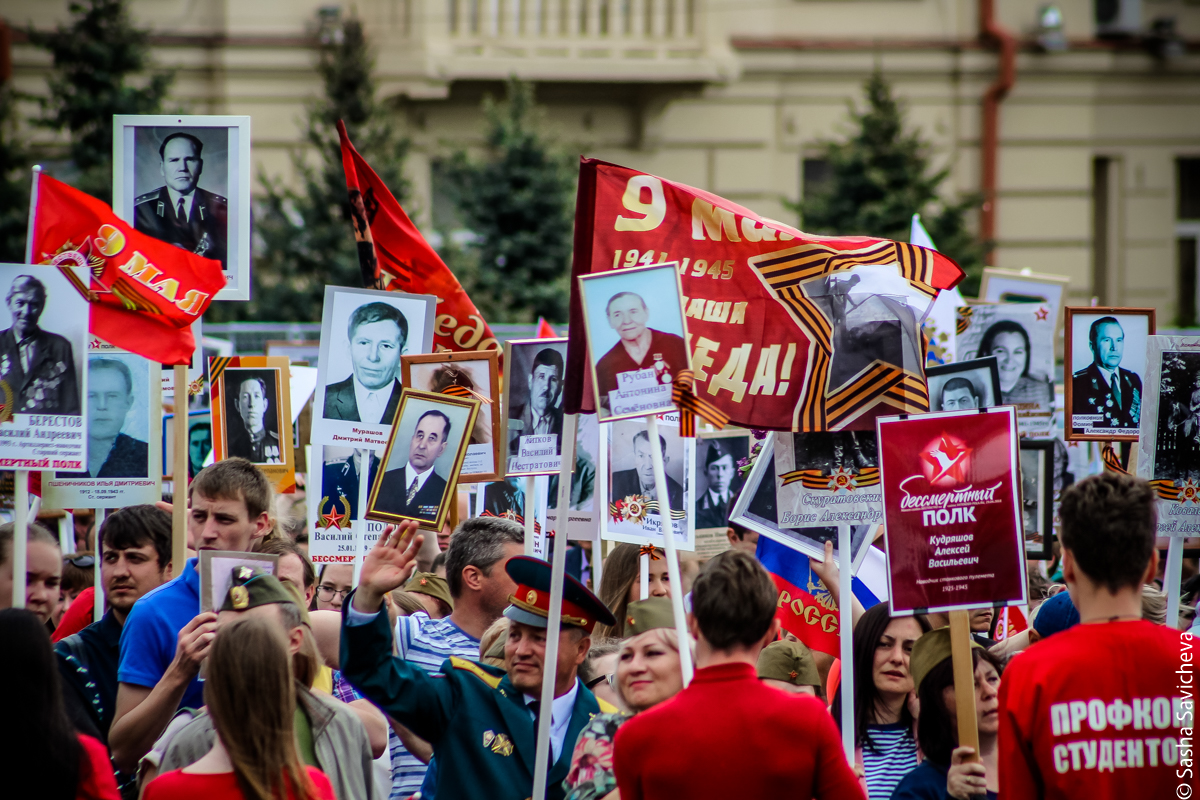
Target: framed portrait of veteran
[364,332]
[1025,286]
[1037,495]
[43,368]
[718,478]
[1106,359]
[186,180]
[964,384]
[470,374]
[637,339]
[533,411]
[423,459]
[124,459]
[252,415]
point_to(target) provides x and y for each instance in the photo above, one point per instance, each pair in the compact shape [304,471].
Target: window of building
[1187,239]
[816,174]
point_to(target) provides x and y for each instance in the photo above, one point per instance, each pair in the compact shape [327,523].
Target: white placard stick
[664,511]
[846,639]
[66,535]
[179,472]
[530,516]
[1172,573]
[98,610]
[360,533]
[20,551]
[644,568]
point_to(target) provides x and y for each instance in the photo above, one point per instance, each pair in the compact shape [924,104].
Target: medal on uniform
[488,736]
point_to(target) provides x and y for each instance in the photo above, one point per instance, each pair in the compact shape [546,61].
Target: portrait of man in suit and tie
[378,333]
[179,211]
[117,447]
[1106,394]
[38,366]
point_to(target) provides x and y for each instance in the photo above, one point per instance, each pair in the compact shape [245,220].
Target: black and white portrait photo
[964,384]
[1106,357]
[637,339]
[252,405]
[363,335]
[1037,495]
[423,460]
[631,494]
[185,180]
[1021,337]
[717,478]
[466,374]
[533,403]
[583,517]
[1169,441]
[827,477]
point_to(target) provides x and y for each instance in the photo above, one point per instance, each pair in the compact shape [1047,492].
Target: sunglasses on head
[83,562]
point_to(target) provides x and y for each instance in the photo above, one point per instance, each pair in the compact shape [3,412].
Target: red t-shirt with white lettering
[1099,711]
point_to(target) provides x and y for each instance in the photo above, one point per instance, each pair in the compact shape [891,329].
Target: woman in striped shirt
[885,746]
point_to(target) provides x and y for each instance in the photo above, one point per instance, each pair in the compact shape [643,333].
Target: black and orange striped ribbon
[816,479]
[1166,489]
[515,517]
[649,550]
[691,405]
[454,390]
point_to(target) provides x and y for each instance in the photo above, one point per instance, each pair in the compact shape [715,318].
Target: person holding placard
[1102,709]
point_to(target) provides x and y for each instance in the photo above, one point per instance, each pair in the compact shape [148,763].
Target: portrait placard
[1024,286]
[1021,337]
[637,339]
[1106,359]
[200,442]
[583,515]
[43,374]
[333,505]
[423,459]
[124,409]
[506,499]
[827,479]
[952,511]
[364,333]
[186,180]
[468,374]
[757,509]
[628,494]
[1037,496]
[1169,442]
[964,384]
[252,415]
[533,413]
[216,573]
[718,481]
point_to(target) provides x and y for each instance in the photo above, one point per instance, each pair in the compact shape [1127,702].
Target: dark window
[1189,188]
[815,176]
[1186,245]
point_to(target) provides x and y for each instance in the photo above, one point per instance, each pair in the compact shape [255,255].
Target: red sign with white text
[952,510]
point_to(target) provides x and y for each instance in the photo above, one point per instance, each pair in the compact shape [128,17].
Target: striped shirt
[426,643]
[890,755]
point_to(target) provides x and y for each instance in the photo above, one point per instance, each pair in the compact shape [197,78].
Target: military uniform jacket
[263,451]
[475,719]
[1091,394]
[50,385]
[204,232]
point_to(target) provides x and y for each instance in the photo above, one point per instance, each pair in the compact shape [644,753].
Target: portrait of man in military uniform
[180,212]
[720,480]
[37,366]
[1106,395]
[252,416]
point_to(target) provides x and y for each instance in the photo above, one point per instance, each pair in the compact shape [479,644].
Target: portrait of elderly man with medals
[38,366]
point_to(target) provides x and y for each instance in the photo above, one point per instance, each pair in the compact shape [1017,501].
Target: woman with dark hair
[885,747]
[621,585]
[251,697]
[1009,342]
[40,742]
[945,773]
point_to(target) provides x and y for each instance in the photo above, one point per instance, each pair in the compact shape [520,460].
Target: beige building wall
[732,96]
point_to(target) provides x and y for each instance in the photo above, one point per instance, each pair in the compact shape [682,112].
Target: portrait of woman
[1009,342]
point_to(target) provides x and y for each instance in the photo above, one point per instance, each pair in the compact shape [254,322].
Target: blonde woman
[251,697]
[648,672]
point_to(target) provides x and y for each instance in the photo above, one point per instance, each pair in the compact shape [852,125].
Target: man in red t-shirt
[728,735]
[1103,709]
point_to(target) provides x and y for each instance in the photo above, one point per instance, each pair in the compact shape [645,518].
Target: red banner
[144,293]
[788,331]
[952,520]
[394,255]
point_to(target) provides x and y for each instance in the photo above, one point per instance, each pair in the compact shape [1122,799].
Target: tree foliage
[303,235]
[96,53]
[518,201]
[14,181]
[880,176]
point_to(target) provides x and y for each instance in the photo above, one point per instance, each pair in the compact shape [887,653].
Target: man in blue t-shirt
[165,639]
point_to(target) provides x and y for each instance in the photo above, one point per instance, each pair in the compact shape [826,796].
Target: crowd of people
[423,678]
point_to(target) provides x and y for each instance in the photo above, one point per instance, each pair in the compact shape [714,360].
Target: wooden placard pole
[530,515]
[558,568]
[644,574]
[179,482]
[98,610]
[846,637]
[964,680]
[20,550]
[664,513]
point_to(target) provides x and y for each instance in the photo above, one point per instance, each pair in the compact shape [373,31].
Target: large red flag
[144,293]
[394,255]
[788,331]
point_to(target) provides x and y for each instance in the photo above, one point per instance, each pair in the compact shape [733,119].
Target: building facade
[1090,148]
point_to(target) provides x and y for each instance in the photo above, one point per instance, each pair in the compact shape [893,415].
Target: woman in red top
[251,699]
[42,744]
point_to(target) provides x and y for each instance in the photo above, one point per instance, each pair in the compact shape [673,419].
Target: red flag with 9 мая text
[389,242]
[788,331]
[144,294]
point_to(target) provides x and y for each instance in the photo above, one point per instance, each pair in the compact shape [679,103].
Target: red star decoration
[947,460]
[333,519]
[1042,313]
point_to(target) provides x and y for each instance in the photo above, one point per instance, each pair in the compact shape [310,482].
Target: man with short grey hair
[37,366]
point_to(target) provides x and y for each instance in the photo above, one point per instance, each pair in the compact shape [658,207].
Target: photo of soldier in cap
[179,211]
[39,367]
[252,415]
[717,478]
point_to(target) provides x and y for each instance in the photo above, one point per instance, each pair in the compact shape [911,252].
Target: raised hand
[388,565]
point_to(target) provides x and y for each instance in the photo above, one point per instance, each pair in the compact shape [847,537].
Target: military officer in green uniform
[180,212]
[1105,395]
[480,720]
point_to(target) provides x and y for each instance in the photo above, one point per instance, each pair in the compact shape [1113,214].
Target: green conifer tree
[15,180]
[880,176]
[96,53]
[519,202]
[304,233]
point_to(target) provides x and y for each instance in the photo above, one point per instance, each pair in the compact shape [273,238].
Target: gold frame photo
[460,412]
[1133,355]
[489,400]
[280,467]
